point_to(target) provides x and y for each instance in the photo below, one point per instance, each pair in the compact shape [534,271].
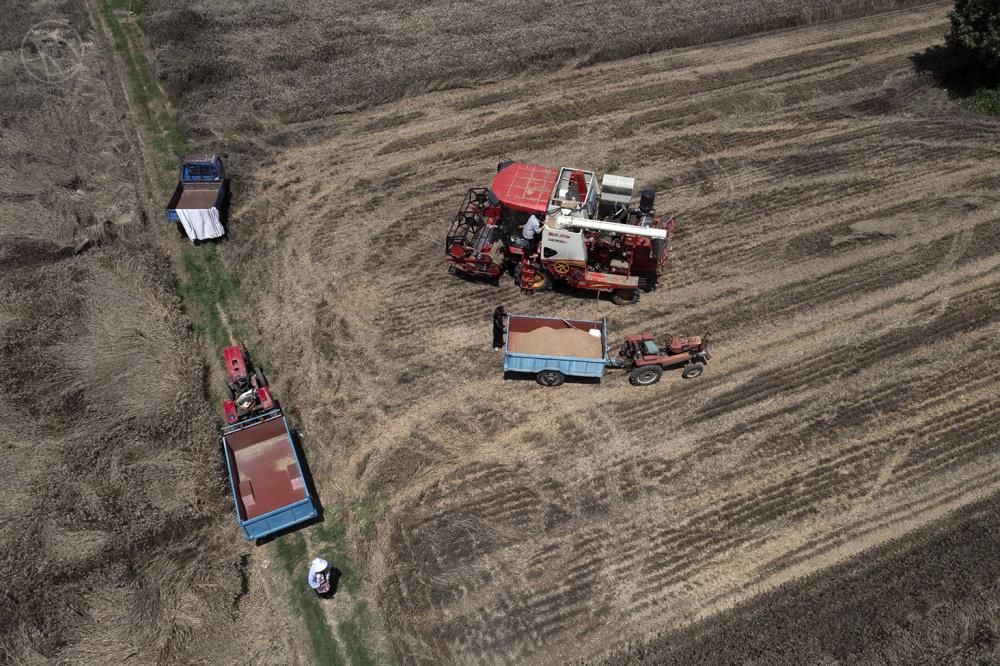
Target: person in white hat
[319,576]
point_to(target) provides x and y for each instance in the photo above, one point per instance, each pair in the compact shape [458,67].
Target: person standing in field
[319,576]
[499,315]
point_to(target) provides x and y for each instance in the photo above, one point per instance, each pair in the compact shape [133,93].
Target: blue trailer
[265,475]
[196,204]
[552,348]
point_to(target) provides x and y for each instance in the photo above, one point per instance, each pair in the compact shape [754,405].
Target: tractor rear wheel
[550,378]
[645,375]
[230,393]
[693,370]
[261,382]
[625,296]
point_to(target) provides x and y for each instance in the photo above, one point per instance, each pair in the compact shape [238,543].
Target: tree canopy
[975,31]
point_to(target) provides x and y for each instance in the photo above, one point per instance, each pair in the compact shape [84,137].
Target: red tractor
[592,237]
[645,360]
[247,393]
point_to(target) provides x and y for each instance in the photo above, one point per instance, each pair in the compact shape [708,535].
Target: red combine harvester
[592,238]
[246,388]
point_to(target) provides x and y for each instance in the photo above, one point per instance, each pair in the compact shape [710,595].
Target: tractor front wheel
[625,296]
[693,371]
[645,375]
[550,378]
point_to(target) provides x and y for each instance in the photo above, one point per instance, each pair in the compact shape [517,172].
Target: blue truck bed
[552,357]
[265,475]
[197,202]
[195,196]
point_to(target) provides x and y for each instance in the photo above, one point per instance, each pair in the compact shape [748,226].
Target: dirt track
[117,547]
[838,234]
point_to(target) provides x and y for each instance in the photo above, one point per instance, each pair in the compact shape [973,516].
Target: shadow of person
[333,578]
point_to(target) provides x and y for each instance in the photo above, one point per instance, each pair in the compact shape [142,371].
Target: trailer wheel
[693,371]
[645,375]
[550,378]
[625,296]
[261,382]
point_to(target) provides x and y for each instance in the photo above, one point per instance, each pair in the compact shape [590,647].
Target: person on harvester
[499,315]
[532,233]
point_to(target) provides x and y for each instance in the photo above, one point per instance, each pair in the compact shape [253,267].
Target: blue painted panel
[571,366]
[269,523]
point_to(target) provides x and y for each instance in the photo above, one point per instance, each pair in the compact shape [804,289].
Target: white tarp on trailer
[201,223]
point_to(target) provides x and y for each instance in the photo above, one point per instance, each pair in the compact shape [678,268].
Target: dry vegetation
[932,598]
[276,62]
[838,235]
[117,545]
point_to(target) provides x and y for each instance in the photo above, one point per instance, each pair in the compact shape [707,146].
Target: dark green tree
[975,32]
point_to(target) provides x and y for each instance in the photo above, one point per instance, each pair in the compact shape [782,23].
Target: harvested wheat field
[838,233]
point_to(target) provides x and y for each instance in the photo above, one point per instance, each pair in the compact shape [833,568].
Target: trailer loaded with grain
[552,349]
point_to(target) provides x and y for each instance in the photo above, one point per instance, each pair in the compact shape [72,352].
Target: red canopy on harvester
[525,187]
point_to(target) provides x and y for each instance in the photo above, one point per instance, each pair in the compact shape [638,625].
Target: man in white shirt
[532,233]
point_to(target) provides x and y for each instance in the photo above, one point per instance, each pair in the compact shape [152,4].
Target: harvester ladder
[527,275]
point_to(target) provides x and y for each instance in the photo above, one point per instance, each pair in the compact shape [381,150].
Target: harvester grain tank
[196,204]
[593,238]
[265,473]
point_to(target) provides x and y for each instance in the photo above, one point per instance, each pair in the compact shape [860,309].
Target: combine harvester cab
[593,237]
[265,473]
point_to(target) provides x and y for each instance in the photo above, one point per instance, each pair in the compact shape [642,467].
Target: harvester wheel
[261,382]
[645,375]
[693,370]
[543,281]
[625,296]
[550,378]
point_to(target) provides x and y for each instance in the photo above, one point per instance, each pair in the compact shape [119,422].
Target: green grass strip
[292,553]
[206,287]
[169,136]
[353,634]
[330,540]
